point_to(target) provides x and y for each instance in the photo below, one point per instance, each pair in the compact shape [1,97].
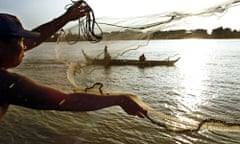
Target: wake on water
[171,123]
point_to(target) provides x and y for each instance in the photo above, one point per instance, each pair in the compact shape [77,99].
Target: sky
[35,12]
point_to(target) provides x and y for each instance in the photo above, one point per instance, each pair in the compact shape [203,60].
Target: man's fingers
[141,115]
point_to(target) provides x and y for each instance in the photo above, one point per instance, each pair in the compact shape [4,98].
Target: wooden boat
[122,62]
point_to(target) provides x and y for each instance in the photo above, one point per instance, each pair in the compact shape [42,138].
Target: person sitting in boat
[142,58]
[107,56]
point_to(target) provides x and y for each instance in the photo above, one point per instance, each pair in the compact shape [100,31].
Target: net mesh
[96,34]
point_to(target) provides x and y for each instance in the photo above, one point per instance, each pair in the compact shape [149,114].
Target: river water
[203,84]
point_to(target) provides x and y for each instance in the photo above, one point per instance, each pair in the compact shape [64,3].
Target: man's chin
[12,65]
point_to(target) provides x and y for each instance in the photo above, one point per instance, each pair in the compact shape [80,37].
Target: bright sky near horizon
[35,12]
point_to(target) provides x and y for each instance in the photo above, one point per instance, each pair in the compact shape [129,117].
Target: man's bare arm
[29,94]
[48,29]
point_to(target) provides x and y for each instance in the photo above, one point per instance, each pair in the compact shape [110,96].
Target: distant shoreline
[218,33]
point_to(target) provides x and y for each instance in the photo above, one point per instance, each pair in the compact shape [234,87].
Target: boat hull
[122,62]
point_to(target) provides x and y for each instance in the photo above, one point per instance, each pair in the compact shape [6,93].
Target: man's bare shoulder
[9,79]
[4,74]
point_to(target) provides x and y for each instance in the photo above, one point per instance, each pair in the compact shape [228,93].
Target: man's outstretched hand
[77,10]
[131,104]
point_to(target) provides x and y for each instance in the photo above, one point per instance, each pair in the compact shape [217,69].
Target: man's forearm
[46,30]
[88,102]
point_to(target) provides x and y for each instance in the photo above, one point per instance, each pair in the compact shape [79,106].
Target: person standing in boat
[107,57]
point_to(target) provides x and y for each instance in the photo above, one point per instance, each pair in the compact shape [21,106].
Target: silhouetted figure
[107,57]
[142,58]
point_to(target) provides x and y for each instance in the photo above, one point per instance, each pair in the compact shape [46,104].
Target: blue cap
[11,26]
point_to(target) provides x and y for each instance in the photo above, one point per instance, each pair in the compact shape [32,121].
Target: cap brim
[26,34]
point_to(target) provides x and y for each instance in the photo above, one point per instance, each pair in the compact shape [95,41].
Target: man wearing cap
[19,90]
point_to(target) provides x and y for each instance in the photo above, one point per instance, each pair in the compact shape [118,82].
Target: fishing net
[85,40]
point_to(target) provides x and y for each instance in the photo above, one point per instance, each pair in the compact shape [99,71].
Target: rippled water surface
[204,84]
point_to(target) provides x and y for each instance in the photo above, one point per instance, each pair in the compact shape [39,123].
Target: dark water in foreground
[205,83]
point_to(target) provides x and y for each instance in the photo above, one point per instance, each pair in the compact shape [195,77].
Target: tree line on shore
[218,33]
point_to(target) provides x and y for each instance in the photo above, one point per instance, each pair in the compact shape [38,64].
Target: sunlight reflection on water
[195,56]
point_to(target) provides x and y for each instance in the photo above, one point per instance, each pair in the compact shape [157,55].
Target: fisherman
[142,58]
[16,89]
[107,57]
